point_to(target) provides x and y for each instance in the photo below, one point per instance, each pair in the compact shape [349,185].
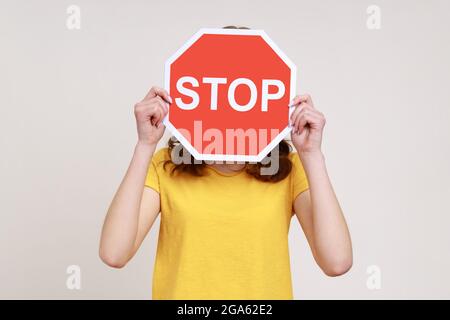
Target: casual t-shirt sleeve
[299,179]
[152,180]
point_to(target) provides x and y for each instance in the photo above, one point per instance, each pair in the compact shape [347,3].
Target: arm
[135,207]
[318,209]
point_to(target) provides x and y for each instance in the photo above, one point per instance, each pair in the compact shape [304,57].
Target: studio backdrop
[71,72]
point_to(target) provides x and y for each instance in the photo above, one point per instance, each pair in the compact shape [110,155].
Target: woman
[224,229]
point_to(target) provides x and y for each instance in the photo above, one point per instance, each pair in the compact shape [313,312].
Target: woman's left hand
[307,125]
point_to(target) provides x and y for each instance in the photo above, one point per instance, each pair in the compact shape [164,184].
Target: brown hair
[236,27]
[196,168]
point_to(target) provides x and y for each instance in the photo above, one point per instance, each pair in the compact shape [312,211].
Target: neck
[228,167]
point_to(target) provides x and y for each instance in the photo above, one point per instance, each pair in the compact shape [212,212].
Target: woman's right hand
[150,113]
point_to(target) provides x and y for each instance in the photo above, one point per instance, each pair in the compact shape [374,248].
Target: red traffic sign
[231,90]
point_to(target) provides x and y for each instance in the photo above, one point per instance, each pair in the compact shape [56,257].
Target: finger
[146,109]
[149,111]
[307,99]
[302,119]
[300,124]
[161,118]
[300,110]
[307,119]
[142,110]
[164,110]
[311,109]
[156,101]
[156,116]
[157,91]
[156,108]
[295,114]
[161,124]
[163,104]
[302,98]
[316,119]
[302,136]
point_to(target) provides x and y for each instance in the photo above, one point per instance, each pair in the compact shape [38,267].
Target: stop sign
[231,90]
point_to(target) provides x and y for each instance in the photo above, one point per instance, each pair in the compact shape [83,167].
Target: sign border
[228,157]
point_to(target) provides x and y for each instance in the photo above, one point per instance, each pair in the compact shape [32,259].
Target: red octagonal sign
[231,91]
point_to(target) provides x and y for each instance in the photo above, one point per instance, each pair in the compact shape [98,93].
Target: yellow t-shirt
[223,236]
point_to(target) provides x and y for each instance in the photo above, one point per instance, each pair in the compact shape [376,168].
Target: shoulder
[160,156]
[298,175]
[296,162]
[294,157]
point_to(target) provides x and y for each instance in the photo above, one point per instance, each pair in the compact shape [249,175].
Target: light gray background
[67,134]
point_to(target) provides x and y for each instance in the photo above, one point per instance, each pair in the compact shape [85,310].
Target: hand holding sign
[149,114]
[231,91]
[307,125]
